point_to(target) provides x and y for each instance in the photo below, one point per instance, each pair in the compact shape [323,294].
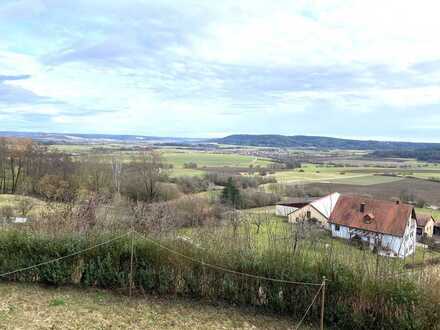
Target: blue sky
[359,69]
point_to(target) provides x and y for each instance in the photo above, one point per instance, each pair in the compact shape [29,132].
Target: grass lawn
[26,306]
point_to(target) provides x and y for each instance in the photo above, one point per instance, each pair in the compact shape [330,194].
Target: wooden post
[322,303]
[131,262]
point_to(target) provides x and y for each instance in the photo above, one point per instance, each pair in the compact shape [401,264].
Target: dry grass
[35,307]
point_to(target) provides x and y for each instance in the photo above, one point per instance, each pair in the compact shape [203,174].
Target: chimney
[362,208]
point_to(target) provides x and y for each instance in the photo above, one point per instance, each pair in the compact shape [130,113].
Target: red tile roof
[422,219]
[379,216]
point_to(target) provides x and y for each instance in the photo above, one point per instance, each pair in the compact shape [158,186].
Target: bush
[191,184]
[251,198]
[243,182]
[55,188]
[167,191]
[190,165]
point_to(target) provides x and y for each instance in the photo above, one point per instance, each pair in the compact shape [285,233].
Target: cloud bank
[201,68]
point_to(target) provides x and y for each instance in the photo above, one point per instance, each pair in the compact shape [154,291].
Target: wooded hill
[302,141]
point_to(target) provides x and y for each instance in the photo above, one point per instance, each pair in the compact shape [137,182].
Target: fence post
[131,263]
[322,303]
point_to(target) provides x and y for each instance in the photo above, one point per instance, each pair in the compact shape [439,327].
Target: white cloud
[195,68]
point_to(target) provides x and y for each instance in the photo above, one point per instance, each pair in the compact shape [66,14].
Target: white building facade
[389,245]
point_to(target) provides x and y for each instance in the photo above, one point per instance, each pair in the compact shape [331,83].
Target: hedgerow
[352,300]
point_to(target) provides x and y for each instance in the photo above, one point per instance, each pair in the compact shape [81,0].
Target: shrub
[251,198]
[240,181]
[192,184]
[167,191]
[54,187]
[190,165]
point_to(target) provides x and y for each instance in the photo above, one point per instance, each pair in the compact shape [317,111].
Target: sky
[354,69]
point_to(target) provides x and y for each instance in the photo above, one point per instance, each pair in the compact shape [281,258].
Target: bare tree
[116,174]
[143,177]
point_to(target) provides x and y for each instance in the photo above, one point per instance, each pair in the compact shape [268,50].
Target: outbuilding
[425,226]
[285,208]
[318,210]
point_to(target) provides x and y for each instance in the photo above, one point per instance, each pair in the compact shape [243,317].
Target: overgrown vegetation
[354,299]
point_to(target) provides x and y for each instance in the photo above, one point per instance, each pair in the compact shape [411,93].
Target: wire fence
[224,269]
[177,253]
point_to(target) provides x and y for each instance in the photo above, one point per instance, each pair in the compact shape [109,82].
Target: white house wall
[409,240]
[343,232]
[400,246]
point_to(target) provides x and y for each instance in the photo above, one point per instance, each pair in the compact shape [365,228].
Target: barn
[285,208]
[318,210]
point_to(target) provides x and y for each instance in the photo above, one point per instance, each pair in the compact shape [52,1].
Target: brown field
[421,189]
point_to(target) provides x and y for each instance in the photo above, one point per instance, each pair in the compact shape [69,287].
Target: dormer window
[368,218]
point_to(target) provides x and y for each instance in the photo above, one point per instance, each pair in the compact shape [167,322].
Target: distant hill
[302,141]
[94,138]
[268,140]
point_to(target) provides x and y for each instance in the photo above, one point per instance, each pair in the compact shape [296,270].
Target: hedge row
[351,301]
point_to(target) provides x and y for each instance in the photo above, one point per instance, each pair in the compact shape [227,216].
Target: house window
[309,214]
[419,231]
[337,227]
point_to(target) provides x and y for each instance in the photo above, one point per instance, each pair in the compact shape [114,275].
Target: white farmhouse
[388,226]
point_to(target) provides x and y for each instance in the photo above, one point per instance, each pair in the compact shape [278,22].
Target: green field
[26,306]
[311,173]
[427,175]
[366,180]
[206,159]
[202,158]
